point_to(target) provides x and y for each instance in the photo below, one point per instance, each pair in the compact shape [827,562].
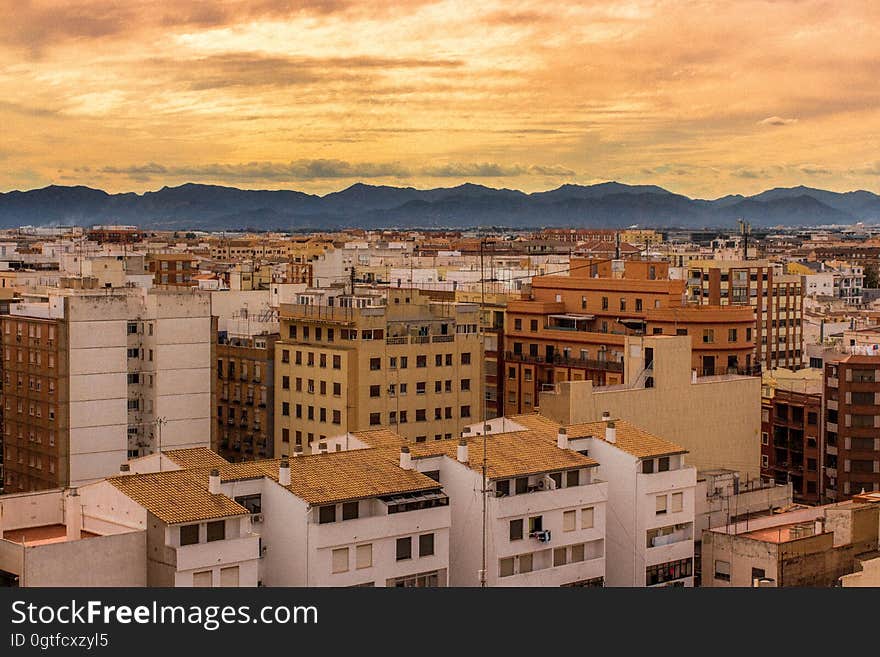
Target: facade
[245,386]
[93,377]
[574,327]
[792,441]
[777,299]
[412,365]
[852,426]
[716,418]
[174,269]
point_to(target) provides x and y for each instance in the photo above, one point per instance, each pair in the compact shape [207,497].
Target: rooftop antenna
[745,229]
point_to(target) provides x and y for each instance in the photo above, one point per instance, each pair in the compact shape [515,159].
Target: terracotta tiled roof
[195,457]
[176,497]
[380,438]
[508,455]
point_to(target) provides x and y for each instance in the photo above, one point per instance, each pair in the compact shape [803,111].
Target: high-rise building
[93,377]
[348,363]
[777,298]
[852,426]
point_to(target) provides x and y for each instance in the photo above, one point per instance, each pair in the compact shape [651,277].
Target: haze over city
[702,98]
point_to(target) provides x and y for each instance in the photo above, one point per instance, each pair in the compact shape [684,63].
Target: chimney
[405,458]
[463,451]
[487,429]
[73,515]
[284,473]
[562,438]
[322,448]
[610,433]
[297,451]
[214,482]
[124,469]
[606,415]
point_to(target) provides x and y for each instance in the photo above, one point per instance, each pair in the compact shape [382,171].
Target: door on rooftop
[708,365]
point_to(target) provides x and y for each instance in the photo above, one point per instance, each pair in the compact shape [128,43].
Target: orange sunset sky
[702,97]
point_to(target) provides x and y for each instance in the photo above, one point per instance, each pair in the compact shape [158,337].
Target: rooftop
[42,535]
[508,455]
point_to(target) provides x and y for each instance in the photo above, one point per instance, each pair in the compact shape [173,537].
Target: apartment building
[573,327]
[852,426]
[245,387]
[777,299]
[792,436]
[813,546]
[716,418]
[174,269]
[91,377]
[331,519]
[650,523]
[410,364]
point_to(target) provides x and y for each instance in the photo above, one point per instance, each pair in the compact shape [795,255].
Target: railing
[559,359]
[398,340]
[420,339]
[442,338]
[754,370]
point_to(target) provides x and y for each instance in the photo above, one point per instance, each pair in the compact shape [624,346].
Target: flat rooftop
[42,535]
[782,533]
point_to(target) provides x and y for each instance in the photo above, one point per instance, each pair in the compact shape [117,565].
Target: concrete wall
[116,560]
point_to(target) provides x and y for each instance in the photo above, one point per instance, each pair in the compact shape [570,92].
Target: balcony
[559,359]
[832,404]
[833,382]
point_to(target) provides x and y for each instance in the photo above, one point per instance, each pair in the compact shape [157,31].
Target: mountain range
[611,204]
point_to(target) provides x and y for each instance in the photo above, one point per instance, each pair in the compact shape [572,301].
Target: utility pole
[483,582]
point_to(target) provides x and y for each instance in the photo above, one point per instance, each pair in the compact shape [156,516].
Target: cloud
[326,169]
[776,120]
[815,170]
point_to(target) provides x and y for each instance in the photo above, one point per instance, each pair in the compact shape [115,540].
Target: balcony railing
[559,359]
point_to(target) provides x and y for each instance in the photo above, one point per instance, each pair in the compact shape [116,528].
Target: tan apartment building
[245,386]
[574,327]
[716,418]
[409,364]
[777,298]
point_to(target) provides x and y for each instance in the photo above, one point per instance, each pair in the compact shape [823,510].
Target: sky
[705,98]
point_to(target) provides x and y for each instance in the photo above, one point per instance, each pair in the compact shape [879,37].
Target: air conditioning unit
[542,535]
[256,517]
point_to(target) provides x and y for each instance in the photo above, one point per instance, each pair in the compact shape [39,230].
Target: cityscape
[439,295]
[559,407]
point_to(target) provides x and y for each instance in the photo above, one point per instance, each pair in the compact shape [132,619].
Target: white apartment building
[651,508]
[331,519]
[96,376]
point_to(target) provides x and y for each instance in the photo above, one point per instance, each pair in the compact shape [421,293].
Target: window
[285,408]
[364,556]
[572,478]
[722,570]
[465,411]
[337,389]
[285,355]
[677,502]
[536,524]
[569,521]
[349,510]
[661,504]
[404,548]
[587,518]
[521,485]
[862,398]
[731,335]
[285,382]
[604,303]
[516,529]
[420,415]
[622,303]
[765,439]
[577,553]
[465,384]
[466,358]
[216,530]
[375,418]
[426,545]
[765,461]
[203,579]
[708,336]
[421,361]
[189,534]
[648,466]
[337,417]
[525,563]
[559,556]
[517,325]
[340,560]
[505,567]
[327,514]
[533,325]
[502,487]
[420,387]
[337,362]
[375,364]
[374,391]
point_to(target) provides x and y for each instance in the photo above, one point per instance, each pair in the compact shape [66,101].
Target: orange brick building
[573,327]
